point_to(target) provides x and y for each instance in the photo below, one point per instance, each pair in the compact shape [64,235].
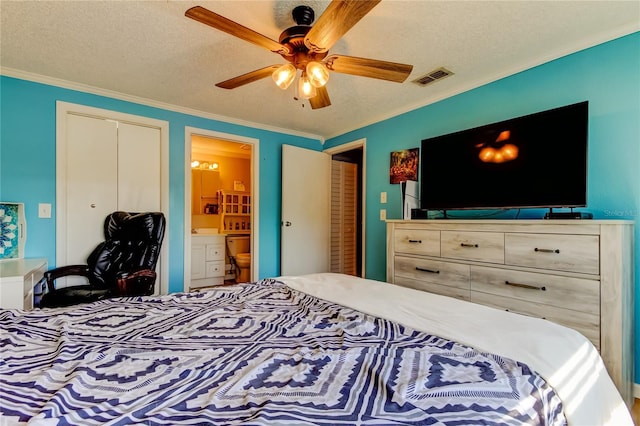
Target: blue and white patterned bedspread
[252,354]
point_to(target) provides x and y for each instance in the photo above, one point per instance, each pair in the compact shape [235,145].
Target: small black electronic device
[419,214]
[567,215]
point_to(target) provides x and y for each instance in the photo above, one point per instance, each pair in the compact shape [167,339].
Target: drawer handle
[468,245]
[426,270]
[416,241]
[531,287]
[546,250]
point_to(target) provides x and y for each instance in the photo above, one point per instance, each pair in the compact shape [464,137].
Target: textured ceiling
[149,49]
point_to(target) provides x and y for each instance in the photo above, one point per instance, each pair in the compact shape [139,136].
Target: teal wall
[608,76]
[28,166]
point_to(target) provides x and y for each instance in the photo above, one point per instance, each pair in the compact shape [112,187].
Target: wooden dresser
[578,273]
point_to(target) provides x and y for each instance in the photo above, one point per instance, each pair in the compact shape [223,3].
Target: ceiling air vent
[437,74]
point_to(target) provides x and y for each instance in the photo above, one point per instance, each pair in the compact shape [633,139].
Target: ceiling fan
[306,48]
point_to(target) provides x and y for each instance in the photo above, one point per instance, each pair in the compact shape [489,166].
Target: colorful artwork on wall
[404,165]
[11,230]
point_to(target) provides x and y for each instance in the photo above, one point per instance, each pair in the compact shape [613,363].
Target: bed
[321,349]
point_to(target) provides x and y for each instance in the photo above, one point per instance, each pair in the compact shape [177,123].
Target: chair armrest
[51,275]
[138,283]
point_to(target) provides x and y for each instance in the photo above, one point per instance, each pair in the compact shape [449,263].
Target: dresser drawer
[431,287]
[585,323]
[574,253]
[480,246]
[575,294]
[417,241]
[433,271]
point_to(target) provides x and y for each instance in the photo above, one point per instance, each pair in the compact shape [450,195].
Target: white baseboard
[636,390]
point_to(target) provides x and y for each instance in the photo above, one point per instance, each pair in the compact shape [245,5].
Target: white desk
[17,279]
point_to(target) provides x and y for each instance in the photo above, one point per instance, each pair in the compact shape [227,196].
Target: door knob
[93,206]
[287,223]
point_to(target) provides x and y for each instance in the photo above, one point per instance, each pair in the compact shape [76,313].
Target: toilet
[243,260]
[239,249]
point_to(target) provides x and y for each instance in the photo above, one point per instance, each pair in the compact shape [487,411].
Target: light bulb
[284,76]
[487,155]
[318,73]
[509,151]
[306,90]
[195,164]
[504,135]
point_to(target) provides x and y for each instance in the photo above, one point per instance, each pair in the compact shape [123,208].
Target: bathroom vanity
[207,260]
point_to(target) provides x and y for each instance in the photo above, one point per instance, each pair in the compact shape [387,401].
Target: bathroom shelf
[235,212]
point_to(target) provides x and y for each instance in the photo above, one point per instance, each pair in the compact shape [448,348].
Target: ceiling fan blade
[321,99]
[221,23]
[335,21]
[373,68]
[249,77]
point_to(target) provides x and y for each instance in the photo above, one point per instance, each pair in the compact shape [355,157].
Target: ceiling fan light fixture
[306,47]
[306,90]
[318,73]
[284,76]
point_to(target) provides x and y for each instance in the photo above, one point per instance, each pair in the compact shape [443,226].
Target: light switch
[383,214]
[44,210]
[383,197]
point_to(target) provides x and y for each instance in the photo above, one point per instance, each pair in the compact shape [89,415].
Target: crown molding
[65,84]
[552,55]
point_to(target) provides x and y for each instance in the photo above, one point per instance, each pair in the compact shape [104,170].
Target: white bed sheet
[564,357]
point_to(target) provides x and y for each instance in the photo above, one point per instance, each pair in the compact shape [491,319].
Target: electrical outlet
[383,197]
[44,210]
[383,214]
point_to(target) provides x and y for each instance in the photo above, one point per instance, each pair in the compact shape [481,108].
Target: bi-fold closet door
[108,165]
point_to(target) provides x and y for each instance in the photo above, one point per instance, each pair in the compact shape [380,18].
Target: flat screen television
[534,161]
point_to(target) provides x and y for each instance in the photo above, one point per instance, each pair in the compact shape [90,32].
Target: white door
[306,211]
[91,171]
[138,168]
[108,166]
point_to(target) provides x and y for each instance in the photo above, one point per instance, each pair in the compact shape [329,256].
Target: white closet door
[91,191]
[97,175]
[138,168]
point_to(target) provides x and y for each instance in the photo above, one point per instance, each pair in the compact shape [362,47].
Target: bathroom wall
[230,170]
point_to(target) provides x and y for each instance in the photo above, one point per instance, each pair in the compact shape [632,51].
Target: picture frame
[13,230]
[404,165]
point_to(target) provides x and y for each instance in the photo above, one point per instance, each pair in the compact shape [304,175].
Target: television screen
[538,160]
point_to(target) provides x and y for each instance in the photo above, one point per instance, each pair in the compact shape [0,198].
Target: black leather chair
[122,265]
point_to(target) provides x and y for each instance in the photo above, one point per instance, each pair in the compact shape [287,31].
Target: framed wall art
[404,165]
[13,232]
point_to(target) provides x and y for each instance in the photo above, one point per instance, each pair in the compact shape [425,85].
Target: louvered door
[344,199]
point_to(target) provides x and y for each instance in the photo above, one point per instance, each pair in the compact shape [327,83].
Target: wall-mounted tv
[537,160]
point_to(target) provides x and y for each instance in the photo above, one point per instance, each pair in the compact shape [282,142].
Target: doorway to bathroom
[221,215]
